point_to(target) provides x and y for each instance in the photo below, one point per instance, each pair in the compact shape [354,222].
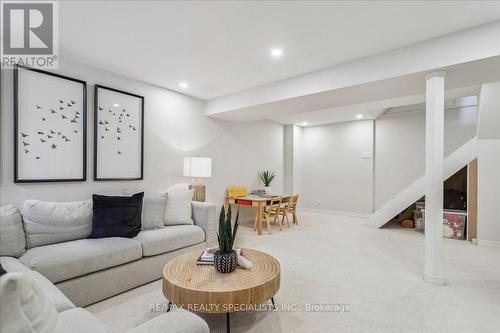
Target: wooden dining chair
[290,208]
[293,208]
[271,211]
[284,209]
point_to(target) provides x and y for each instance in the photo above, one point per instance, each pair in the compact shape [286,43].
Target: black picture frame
[96,133]
[17,179]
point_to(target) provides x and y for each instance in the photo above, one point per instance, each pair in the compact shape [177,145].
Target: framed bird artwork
[50,127]
[118,134]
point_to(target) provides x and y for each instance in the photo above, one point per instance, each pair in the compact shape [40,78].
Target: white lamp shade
[197,167]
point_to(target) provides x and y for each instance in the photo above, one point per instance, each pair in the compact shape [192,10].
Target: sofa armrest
[61,302]
[204,216]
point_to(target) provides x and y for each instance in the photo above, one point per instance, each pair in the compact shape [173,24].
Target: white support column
[434,160]
[288,172]
[292,159]
[297,160]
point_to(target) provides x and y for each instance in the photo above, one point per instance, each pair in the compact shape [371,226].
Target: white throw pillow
[24,307]
[153,212]
[12,238]
[178,210]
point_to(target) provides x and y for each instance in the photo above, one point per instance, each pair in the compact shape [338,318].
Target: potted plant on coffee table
[225,258]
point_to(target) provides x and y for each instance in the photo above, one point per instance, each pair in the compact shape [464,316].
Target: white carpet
[329,259]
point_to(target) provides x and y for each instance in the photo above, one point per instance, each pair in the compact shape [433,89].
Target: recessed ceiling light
[304,123]
[116,105]
[276,52]
[184,85]
[359,116]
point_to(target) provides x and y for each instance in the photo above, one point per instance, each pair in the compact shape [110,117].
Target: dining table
[252,200]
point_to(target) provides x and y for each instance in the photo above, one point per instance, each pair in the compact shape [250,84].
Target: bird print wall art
[50,122]
[118,124]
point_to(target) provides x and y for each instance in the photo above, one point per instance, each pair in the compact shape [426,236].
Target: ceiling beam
[310,92]
[370,110]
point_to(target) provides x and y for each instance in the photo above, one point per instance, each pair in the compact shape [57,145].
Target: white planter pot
[268,189]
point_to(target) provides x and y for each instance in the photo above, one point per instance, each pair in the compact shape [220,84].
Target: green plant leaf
[235,229]
[227,233]
[227,226]
[220,235]
[222,217]
[228,216]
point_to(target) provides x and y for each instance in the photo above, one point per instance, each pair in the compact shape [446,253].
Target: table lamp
[196,168]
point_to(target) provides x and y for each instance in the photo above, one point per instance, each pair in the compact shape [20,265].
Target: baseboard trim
[334,212]
[484,242]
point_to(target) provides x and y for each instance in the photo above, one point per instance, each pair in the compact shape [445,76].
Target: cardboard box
[454,222]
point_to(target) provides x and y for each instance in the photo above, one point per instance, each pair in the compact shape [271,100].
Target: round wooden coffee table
[201,288]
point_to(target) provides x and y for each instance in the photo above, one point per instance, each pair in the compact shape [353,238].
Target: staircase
[452,163]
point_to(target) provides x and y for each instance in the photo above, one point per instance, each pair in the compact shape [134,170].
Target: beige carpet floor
[376,274]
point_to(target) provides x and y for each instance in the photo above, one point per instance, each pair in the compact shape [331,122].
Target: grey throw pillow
[153,212]
[54,222]
[12,238]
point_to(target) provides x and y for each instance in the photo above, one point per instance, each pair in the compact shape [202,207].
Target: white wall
[334,175]
[400,147]
[175,126]
[399,153]
[488,125]
[488,192]
[488,163]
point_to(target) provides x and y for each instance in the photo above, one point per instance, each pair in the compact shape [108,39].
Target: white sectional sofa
[30,303]
[76,271]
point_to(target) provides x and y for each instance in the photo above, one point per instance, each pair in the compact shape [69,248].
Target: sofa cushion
[63,261]
[12,238]
[79,321]
[116,216]
[24,307]
[169,238]
[60,301]
[55,222]
[153,212]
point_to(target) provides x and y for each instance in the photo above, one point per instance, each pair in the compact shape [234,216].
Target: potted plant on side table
[226,259]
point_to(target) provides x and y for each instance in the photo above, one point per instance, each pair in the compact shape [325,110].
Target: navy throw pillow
[116,216]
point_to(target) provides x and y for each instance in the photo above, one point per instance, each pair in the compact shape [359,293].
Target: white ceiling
[221,47]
